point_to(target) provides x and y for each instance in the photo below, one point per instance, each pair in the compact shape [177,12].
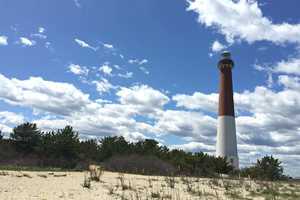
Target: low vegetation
[63,150]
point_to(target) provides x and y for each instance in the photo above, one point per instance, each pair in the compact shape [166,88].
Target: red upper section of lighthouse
[226,105]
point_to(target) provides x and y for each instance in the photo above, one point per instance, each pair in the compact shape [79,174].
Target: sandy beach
[17,185]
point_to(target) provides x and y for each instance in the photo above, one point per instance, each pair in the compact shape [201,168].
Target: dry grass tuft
[27,175]
[42,175]
[4,174]
[96,172]
[86,182]
[60,175]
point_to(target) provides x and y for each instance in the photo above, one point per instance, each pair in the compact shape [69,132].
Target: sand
[69,185]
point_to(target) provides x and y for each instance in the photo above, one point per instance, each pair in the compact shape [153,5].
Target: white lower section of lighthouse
[226,140]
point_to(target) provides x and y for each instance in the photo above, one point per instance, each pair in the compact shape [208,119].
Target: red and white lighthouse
[226,135]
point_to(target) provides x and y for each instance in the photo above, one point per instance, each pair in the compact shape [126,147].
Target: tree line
[28,145]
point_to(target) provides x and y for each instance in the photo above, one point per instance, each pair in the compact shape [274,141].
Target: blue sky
[147,69]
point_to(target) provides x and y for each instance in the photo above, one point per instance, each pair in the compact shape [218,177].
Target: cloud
[142,95]
[217,46]
[83,44]
[47,96]
[140,62]
[3,40]
[8,120]
[11,118]
[41,29]
[49,46]
[103,85]
[137,61]
[243,20]
[108,46]
[107,70]
[264,117]
[267,121]
[117,67]
[194,147]
[68,106]
[291,66]
[289,82]
[143,69]
[78,70]
[197,101]
[26,42]
[77,3]
[40,34]
[188,124]
[127,75]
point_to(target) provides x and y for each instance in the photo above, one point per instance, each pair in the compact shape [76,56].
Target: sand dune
[69,185]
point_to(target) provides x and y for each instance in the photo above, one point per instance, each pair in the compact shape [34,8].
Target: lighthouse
[226,134]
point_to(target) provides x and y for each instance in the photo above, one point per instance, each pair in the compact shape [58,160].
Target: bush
[147,165]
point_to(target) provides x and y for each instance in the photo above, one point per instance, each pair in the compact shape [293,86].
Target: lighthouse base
[226,140]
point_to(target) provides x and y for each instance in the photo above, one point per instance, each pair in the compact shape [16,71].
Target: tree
[147,146]
[110,146]
[27,137]
[1,135]
[222,165]
[269,168]
[66,143]
[89,150]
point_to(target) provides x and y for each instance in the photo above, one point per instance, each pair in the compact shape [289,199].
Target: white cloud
[103,85]
[289,82]
[11,118]
[46,96]
[78,70]
[48,46]
[243,20]
[71,107]
[194,147]
[117,67]
[83,44]
[26,42]
[38,35]
[126,75]
[41,30]
[137,61]
[3,40]
[77,3]
[107,70]
[143,69]
[270,113]
[267,120]
[8,120]
[291,66]
[205,102]
[142,95]
[144,61]
[189,124]
[108,46]
[217,46]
